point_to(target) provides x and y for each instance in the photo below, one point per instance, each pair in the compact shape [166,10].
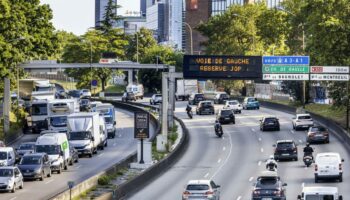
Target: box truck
[84,132]
[184,88]
[59,109]
[108,112]
[35,89]
[136,89]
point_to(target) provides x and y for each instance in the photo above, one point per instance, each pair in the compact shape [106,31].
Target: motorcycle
[219,132]
[190,114]
[308,160]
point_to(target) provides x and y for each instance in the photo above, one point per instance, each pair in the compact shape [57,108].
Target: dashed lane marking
[100,155]
[224,148]
[206,175]
[49,181]
[13,198]
[250,179]
[259,163]
[239,198]
[219,161]
[262,150]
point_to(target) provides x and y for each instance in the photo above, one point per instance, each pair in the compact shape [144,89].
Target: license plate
[271,123]
[207,109]
[27,174]
[266,199]
[324,171]
[285,154]
[227,118]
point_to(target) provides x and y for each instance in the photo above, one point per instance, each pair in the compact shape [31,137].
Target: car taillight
[256,192]
[340,167]
[312,134]
[209,192]
[316,168]
[277,192]
[325,133]
[186,193]
[298,121]
[295,150]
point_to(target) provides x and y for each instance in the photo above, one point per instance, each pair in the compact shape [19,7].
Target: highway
[118,148]
[235,161]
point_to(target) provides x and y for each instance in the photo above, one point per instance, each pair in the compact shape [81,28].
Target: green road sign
[295,69]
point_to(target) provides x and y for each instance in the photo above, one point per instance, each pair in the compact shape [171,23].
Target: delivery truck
[29,88]
[59,110]
[108,112]
[184,88]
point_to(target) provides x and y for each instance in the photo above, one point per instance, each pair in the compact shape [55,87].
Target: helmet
[216,121]
[272,157]
[307,144]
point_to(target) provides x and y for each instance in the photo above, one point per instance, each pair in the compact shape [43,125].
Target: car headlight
[53,161]
[87,146]
[38,171]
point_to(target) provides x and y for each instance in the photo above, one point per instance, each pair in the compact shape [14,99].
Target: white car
[201,189]
[302,121]
[10,179]
[233,105]
[320,192]
[85,93]
[328,166]
[156,98]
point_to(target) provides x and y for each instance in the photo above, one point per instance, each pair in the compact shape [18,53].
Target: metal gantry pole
[165,106]
[171,96]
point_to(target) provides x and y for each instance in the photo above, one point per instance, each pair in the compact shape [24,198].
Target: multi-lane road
[235,160]
[118,148]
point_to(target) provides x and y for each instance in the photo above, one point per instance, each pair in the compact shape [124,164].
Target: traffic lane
[294,173]
[200,161]
[118,148]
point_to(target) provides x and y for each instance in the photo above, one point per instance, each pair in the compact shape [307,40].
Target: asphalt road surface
[118,148]
[235,160]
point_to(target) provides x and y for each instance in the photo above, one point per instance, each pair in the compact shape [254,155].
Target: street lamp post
[191,36]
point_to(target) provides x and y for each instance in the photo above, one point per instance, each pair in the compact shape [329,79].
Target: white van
[328,166]
[7,156]
[56,146]
[320,193]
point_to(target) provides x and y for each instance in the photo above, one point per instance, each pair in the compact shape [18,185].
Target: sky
[78,15]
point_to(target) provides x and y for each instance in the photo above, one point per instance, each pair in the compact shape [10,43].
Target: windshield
[327,159]
[270,120]
[43,89]
[266,181]
[109,120]
[3,155]
[6,172]
[39,109]
[205,104]
[58,121]
[197,187]
[84,102]
[233,102]
[319,197]
[251,100]
[285,145]
[315,129]
[82,135]
[158,95]
[49,149]
[226,112]
[31,160]
[85,90]
[304,117]
[26,147]
[74,93]
[224,96]
[199,96]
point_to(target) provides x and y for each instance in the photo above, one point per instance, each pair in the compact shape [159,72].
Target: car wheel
[77,160]
[239,112]
[106,144]
[59,170]
[66,167]
[71,162]
[90,155]
[316,179]
[340,178]
[262,129]
[49,174]
[14,188]
[102,147]
[21,186]
[258,108]
[278,129]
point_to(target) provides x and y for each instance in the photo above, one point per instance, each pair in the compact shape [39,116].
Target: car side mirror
[114,123]
[342,159]
[93,138]
[218,186]
[10,157]
[260,120]
[61,153]
[293,118]
[284,184]
[299,197]
[274,145]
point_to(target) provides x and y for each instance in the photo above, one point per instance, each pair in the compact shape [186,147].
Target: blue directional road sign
[94,83]
[286,60]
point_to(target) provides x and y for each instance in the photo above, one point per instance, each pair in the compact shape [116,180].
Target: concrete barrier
[87,183]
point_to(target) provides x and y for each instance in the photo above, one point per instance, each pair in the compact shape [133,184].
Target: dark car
[84,105]
[128,96]
[317,134]
[221,98]
[74,155]
[286,150]
[269,186]
[226,116]
[61,94]
[205,107]
[194,99]
[269,123]
[35,166]
[25,148]
[74,93]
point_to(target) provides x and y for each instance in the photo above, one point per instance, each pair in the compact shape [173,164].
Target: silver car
[201,189]
[10,179]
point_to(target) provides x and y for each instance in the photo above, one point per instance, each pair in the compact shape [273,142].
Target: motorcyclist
[188,108]
[271,163]
[308,150]
[217,126]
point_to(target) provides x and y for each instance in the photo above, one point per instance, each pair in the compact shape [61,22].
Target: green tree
[110,17]
[143,40]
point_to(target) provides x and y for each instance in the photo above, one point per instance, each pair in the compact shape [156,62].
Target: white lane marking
[300,141]
[239,198]
[206,175]
[250,179]
[223,137]
[49,181]
[260,139]
[262,150]
[13,198]
[223,148]
[303,184]
[219,161]
[253,130]
[228,156]
[292,131]
[259,163]
[114,144]
[78,166]
[100,155]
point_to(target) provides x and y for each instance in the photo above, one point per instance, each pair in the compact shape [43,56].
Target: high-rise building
[100,9]
[144,4]
[174,23]
[155,21]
